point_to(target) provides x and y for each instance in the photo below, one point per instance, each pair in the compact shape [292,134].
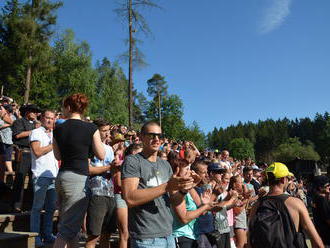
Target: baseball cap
[279,170]
[255,167]
[29,108]
[215,167]
[8,107]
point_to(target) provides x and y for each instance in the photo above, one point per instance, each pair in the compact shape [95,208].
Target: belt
[25,149]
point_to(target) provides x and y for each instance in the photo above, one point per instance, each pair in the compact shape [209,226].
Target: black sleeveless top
[74,139]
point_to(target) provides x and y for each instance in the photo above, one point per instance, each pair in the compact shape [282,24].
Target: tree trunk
[28,82]
[130,68]
[159,110]
[29,67]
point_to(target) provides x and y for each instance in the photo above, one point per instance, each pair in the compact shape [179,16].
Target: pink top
[230,217]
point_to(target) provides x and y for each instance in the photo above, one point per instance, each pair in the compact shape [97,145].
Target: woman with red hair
[73,142]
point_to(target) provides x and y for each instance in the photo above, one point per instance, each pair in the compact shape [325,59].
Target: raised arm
[98,147]
[181,211]
[135,197]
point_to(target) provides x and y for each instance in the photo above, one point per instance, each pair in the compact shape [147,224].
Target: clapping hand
[196,177]
[180,181]
[206,199]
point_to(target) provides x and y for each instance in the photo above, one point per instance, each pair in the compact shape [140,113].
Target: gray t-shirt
[5,134]
[153,219]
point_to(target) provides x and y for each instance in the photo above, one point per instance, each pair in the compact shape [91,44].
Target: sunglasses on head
[154,135]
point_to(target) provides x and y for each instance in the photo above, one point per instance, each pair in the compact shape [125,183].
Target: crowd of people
[154,191]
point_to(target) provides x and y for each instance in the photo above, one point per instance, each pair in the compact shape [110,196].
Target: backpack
[272,226]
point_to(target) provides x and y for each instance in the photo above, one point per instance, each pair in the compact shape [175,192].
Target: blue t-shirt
[102,185]
[206,221]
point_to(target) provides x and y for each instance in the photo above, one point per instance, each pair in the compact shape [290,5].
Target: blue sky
[228,60]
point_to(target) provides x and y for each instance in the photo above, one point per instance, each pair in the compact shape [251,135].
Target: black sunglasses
[154,135]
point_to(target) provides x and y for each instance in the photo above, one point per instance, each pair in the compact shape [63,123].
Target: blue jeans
[44,195]
[164,242]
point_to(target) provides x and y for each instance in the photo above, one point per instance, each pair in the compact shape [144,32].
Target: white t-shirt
[46,165]
[225,164]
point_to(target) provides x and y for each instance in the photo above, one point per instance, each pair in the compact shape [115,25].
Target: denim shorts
[241,220]
[73,198]
[120,202]
[162,242]
[101,215]
[6,151]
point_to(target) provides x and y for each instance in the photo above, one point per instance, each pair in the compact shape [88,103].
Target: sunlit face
[202,172]
[238,184]
[48,120]
[151,138]
[104,132]
[225,155]
[217,177]
[163,156]
[256,174]
[123,129]
[225,179]
[31,116]
[248,176]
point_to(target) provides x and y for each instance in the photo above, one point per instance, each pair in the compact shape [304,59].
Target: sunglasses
[154,135]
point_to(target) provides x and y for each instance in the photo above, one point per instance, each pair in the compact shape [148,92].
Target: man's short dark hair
[147,124]
[272,180]
[195,165]
[247,169]
[47,110]
[101,123]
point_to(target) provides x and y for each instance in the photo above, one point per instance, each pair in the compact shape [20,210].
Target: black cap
[216,167]
[8,107]
[29,108]
[320,181]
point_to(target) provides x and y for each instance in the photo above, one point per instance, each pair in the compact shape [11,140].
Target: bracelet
[182,192]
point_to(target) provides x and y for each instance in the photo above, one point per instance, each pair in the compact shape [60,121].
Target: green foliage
[140,108]
[267,136]
[195,134]
[172,115]
[111,93]
[74,72]
[241,148]
[293,149]
[25,31]
[157,85]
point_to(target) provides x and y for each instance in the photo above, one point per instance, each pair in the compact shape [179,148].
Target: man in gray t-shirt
[146,184]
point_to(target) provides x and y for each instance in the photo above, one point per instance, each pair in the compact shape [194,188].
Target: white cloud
[274,15]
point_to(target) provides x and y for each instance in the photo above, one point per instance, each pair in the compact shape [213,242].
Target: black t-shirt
[74,139]
[19,126]
[256,185]
[321,214]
